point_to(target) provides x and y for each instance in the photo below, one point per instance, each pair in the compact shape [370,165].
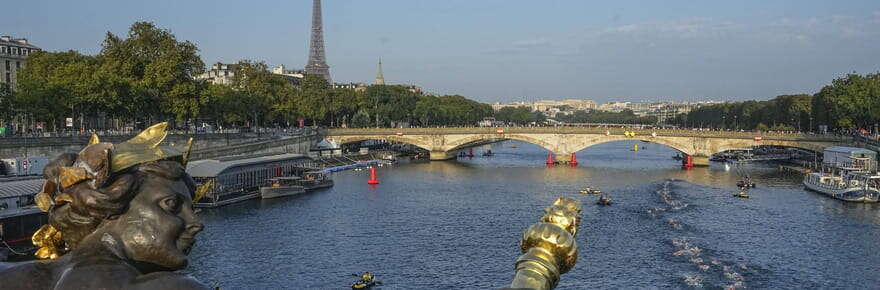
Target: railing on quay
[33,141]
[592,130]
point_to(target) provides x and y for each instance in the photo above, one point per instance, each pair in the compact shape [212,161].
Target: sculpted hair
[88,206]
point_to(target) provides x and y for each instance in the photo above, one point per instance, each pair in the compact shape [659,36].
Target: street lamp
[811,122]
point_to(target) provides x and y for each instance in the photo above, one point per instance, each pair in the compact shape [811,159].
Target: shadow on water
[456,225]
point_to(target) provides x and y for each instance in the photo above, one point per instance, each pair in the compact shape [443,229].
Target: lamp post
[811,122]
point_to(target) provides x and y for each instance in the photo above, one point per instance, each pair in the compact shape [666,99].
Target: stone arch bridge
[443,143]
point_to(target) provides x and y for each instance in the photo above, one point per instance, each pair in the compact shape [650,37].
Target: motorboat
[742,194]
[745,184]
[367,281]
[315,180]
[604,200]
[589,190]
[281,186]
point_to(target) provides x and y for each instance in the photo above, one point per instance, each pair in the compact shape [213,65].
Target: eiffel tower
[317,60]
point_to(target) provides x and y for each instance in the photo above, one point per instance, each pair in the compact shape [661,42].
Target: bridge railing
[591,130]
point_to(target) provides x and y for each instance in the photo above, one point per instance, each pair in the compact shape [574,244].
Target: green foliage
[519,115]
[849,102]
[152,72]
[6,99]
[56,84]
[361,119]
[784,113]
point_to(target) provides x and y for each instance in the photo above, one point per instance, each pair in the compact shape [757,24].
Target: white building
[13,52]
[220,74]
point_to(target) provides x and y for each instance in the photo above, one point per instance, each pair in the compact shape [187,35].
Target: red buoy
[574,159]
[373,179]
[687,162]
[550,159]
[471,152]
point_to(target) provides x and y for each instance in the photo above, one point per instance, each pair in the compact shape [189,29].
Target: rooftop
[213,167]
[19,42]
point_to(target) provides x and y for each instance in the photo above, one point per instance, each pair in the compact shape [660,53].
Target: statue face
[159,226]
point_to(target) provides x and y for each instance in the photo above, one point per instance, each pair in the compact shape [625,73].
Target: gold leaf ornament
[43,201]
[48,239]
[94,139]
[143,148]
[202,190]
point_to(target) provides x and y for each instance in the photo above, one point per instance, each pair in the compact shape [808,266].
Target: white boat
[850,185]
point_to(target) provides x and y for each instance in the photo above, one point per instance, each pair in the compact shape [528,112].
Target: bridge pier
[442,155]
[562,157]
[701,161]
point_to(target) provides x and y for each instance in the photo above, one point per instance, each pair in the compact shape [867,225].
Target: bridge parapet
[590,130]
[563,141]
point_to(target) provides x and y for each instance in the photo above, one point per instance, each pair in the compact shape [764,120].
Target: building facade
[13,53]
[220,74]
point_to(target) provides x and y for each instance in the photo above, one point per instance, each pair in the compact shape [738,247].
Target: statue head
[133,199]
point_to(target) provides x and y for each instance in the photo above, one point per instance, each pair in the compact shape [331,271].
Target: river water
[457,225]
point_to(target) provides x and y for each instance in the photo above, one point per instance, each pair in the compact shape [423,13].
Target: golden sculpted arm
[549,249]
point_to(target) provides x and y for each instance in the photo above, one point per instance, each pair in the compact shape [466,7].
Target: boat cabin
[283,181]
[314,176]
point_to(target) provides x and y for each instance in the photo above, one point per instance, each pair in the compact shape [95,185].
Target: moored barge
[238,179]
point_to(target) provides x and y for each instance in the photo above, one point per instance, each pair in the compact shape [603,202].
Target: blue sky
[509,50]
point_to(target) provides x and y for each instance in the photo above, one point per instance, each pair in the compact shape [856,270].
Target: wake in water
[707,267]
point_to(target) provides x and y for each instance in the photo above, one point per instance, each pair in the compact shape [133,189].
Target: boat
[742,194]
[315,180]
[850,185]
[848,174]
[235,179]
[589,190]
[604,200]
[367,281]
[488,153]
[745,183]
[19,218]
[281,186]
[676,157]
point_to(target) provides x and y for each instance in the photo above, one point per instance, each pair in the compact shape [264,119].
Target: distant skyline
[509,50]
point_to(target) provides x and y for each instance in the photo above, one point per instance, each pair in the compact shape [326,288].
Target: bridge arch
[742,143]
[668,142]
[464,141]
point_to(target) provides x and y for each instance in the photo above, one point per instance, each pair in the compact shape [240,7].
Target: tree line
[850,102]
[149,76]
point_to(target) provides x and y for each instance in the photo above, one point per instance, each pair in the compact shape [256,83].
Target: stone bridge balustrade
[562,141]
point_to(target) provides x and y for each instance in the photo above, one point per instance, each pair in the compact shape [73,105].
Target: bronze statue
[549,249]
[120,217]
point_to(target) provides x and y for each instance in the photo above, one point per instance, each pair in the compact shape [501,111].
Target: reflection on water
[453,225]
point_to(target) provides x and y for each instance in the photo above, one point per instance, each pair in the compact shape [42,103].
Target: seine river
[457,225]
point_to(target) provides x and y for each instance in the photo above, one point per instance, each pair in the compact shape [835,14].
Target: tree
[849,102]
[153,73]
[6,107]
[260,89]
[56,84]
